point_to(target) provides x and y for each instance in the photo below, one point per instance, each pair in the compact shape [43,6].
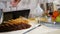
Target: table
[40,30]
[44,30]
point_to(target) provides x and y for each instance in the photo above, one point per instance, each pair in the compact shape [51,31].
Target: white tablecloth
[40,30]
[44,30]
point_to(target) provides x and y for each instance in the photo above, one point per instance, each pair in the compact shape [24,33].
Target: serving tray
[51,25]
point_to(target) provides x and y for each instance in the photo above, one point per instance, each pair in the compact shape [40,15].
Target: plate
[20,31]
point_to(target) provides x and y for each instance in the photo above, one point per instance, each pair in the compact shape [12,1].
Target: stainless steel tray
[51,25]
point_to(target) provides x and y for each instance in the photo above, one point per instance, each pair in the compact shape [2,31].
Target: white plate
[20,31]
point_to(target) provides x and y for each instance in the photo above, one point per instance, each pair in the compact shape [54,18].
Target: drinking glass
[1,16]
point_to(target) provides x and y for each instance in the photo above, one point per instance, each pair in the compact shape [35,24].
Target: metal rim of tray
[51,25]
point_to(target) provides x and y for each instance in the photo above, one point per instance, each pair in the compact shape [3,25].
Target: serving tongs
[36,26]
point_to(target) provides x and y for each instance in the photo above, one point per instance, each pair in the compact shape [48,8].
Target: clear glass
[1,16]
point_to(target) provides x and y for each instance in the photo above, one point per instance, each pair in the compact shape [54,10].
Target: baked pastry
[43,19]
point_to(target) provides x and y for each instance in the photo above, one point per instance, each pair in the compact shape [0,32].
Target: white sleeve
[38,10]
[2,5]
[33,4]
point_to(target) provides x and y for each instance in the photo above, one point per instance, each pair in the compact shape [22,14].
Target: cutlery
[38,25]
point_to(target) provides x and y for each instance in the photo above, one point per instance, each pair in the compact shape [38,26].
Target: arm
[15,2]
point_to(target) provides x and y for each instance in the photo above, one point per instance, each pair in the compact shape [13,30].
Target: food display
[42,19]
[55,14]
[58,19]
[14,24]
[32,19]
